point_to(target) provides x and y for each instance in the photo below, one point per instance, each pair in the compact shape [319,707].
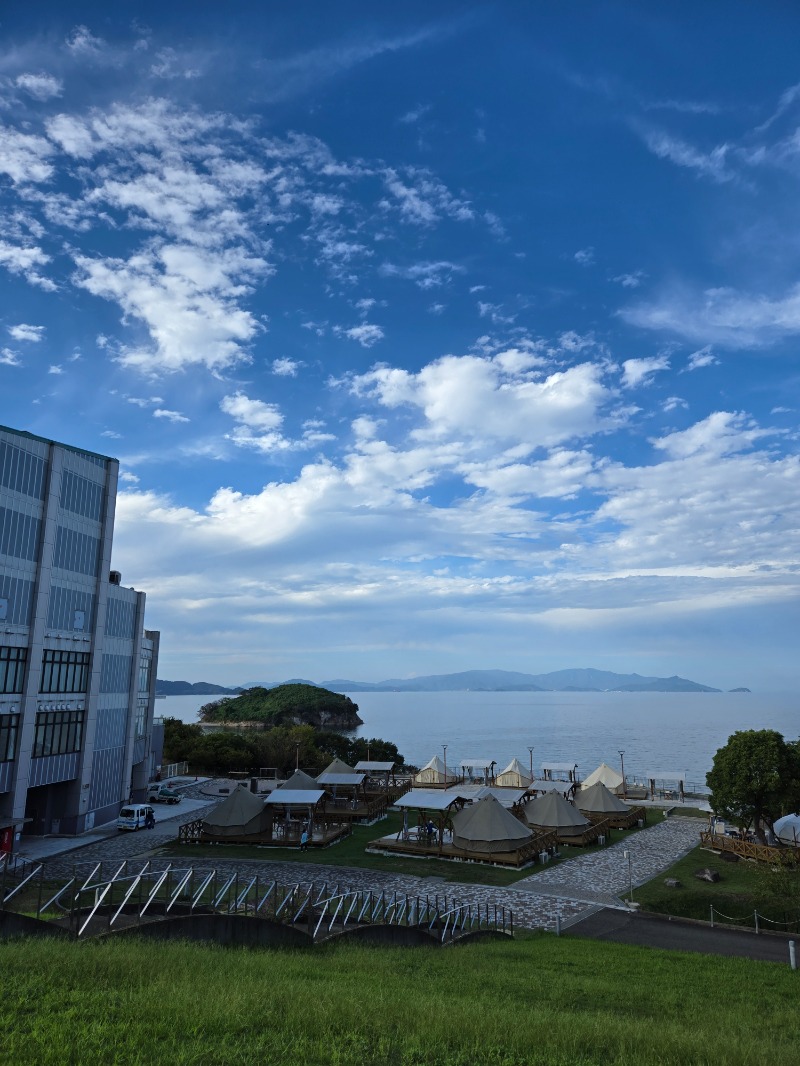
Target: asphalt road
[675,934]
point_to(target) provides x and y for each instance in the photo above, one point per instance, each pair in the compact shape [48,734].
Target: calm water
[657,731]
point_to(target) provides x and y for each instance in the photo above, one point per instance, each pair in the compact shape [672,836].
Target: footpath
[585,896]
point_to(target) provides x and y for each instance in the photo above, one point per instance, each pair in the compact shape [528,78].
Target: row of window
[21,471]
[65,671]
[57,733]
[9,724]
[12,670]
[19,534]
[81,496]
[76,551]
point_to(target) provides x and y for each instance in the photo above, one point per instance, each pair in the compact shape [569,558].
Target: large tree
[755,779]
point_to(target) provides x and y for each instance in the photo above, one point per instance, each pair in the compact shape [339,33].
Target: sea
[660,733]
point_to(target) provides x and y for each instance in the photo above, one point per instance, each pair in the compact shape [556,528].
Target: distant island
[293,704]
[577,680]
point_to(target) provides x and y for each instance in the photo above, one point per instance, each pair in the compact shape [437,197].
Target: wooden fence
[748,849]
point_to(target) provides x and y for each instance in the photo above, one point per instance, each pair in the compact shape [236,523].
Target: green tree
[755,779]
[179,739]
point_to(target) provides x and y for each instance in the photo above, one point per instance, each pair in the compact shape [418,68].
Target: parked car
[158,793]
[135,816]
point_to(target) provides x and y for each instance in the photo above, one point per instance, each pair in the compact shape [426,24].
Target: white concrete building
[77,668]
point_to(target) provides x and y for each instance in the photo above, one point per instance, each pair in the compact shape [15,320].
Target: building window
[57,733]
[12,670]
[8,736]
[65,671]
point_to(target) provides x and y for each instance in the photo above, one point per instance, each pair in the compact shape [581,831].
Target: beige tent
[515,775]
[487,826]
[551,811]
[433,773]
[596,799]
[298,780]
[338,766]
[240,814]
[607,776]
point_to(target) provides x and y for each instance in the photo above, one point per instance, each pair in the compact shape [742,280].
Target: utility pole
[624,787]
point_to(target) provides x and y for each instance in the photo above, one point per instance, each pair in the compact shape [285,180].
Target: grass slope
[536,1000]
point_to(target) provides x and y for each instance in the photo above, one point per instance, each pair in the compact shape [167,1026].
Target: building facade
[77,667]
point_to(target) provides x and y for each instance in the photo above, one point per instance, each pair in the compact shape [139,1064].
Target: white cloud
[171,416]
[427,275]
[40,86]
[413,116]
[702,357]
[82,43]
[55,369]
[366,334]
[252,413]
[722,316]
[285,367]
[25,156]
[24,260]
[436,309]
[423,200]
[672,403]
[637,372]
[9,358]
[711,164]
[25,332]
[584,256]
[630,281]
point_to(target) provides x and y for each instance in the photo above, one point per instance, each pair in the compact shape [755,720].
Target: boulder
[672,882]
[707,874]
[729,856]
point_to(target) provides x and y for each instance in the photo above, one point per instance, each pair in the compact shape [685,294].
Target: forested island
[295,704]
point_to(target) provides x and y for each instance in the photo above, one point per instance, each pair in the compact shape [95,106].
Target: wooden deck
[619,820]
[588,836]
[748,849]
[282,835]
[419,848]
[366,810]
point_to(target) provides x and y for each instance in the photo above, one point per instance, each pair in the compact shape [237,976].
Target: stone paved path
[565,892]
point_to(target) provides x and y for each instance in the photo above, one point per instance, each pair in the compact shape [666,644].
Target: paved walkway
[565,892]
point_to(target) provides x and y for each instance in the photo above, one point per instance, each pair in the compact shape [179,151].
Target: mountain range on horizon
[573,680]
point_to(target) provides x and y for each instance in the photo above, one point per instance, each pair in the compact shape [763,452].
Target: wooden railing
[749,849]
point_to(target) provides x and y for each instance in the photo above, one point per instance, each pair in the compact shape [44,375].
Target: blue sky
[427,339]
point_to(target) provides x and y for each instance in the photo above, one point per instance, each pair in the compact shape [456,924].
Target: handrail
[22,883]
[160,881]
[134,885]
[180,887]
[98,901]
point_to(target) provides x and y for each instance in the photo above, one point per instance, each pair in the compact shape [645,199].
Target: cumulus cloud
[637,372]
[285,367]
[25,332]
[40,86]
[366,334]
[9,357]
[170,416]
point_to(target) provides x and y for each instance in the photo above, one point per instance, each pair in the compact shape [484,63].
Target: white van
[135,816]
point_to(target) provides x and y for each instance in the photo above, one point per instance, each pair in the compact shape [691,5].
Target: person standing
[304,840]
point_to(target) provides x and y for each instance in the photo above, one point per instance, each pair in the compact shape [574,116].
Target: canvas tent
[486,826]
[607,776]
[338,766]
[515,775]
[299,780]
[433,773]
[787,829]
[597,799]
[552,811]
[240,814]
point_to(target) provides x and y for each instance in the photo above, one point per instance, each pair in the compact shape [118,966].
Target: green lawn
[737,894]
[351,852]
[534,1001]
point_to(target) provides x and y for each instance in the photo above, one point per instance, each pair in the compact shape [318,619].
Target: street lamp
[297,755]
[444,749]
[530,749]
[624,788]
[627,855]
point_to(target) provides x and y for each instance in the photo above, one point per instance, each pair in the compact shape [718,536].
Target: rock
[707,874]
[729,856]
[672,882]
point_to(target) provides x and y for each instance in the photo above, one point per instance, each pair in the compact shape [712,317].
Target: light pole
[627,855]
[297,755]
[624,788]
[444,749]
[530,749]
